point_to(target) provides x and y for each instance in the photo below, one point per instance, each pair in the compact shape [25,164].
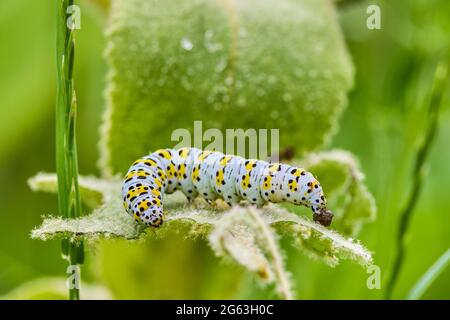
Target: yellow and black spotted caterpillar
[213,175]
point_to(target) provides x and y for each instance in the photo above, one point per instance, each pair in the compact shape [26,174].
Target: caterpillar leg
[220,204]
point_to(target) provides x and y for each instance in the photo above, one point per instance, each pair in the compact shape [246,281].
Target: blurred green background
[382,125]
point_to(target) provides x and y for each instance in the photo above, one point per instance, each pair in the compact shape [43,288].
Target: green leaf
[343,184]
[243,234]
[90,188]
[231,64]
[111,221]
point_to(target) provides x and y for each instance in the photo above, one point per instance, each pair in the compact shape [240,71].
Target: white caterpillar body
[213,175]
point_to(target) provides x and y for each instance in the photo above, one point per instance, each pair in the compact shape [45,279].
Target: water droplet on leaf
[186,44]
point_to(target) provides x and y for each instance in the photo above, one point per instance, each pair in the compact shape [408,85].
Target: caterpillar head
[323,216]
[153,216]
[318,204]
[149,212]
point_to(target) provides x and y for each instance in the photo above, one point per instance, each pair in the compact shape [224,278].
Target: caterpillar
[213,175]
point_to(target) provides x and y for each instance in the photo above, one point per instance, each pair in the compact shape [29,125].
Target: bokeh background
[382,126]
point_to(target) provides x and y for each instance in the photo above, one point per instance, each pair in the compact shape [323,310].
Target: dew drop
[221,65]
[229,81]
[287,97]
[313,74]
[186,44]
[210,99]
[209,34]
[272,79]
[241,102]
[186,84]
[274,115]
[161,82]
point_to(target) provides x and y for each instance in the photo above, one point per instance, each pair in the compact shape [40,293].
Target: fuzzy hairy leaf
[110,221]
[317,241]
[244,234]
[232,64]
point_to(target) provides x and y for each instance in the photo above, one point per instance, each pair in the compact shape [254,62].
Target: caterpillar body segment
[213,175]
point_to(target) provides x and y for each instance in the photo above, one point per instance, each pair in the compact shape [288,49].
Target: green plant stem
[427,279]
[66,152]
[419,173]
[274,252]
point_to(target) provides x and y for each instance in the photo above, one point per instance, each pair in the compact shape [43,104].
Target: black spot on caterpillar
[215,175]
